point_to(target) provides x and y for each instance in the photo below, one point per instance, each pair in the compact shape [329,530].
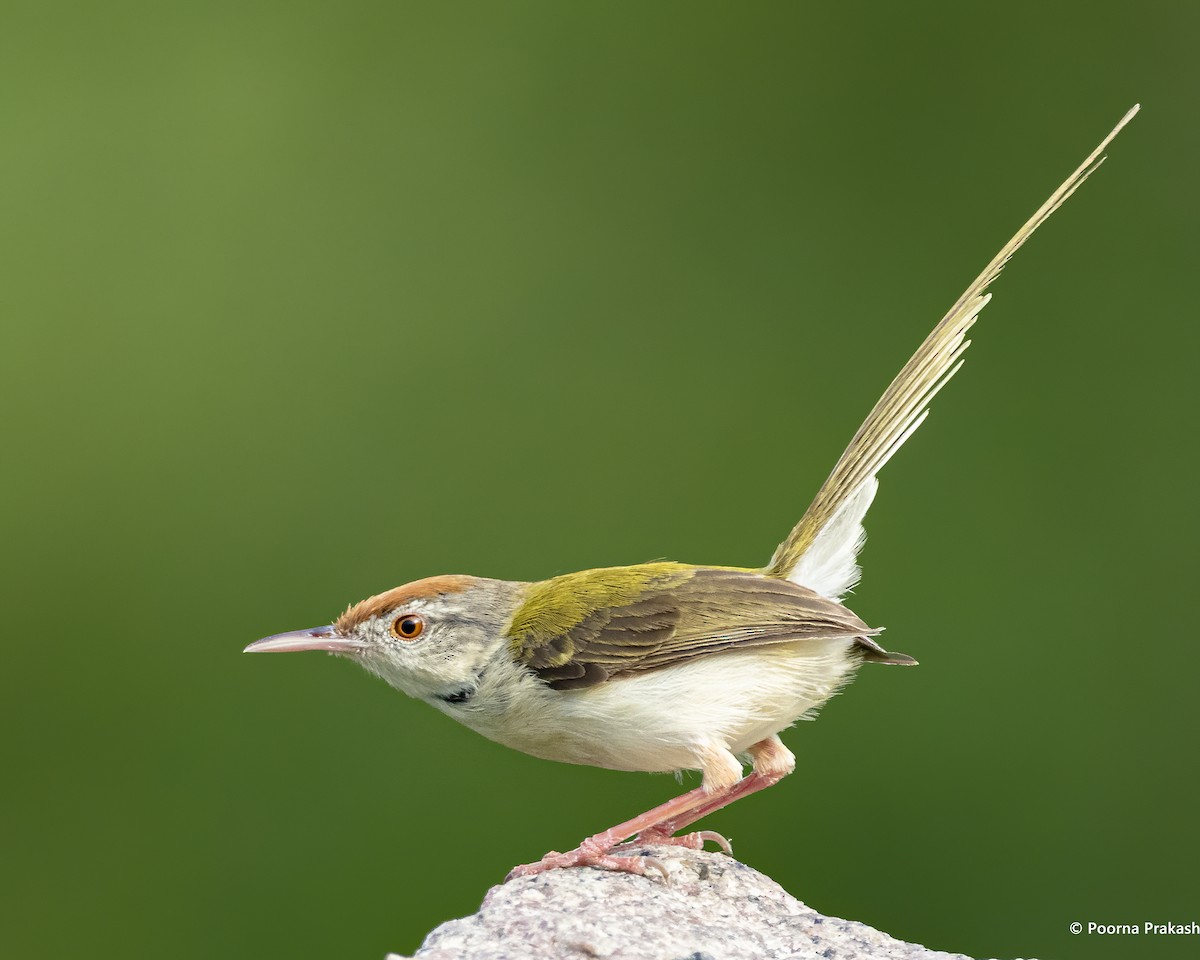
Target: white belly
[657,721]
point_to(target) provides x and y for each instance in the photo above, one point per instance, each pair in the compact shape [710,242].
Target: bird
[666,666]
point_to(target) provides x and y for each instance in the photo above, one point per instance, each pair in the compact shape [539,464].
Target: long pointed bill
[319,638]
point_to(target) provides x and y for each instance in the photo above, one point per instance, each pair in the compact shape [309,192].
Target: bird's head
[430,638]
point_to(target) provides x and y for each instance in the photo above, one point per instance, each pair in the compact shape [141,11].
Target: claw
[655,863]
[591,855]
[693,841]
[716,838]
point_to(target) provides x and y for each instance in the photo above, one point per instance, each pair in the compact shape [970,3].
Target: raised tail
[821,551]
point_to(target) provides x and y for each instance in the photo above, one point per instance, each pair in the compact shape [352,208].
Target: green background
[301,301]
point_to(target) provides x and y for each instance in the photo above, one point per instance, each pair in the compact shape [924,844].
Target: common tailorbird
[666,666]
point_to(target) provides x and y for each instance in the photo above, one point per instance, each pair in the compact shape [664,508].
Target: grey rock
[712,908]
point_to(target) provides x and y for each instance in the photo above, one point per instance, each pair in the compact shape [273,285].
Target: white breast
[659,720]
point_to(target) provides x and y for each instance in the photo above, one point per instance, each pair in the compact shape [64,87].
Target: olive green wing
[586,628]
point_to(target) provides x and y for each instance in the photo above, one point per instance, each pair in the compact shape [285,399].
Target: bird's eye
[407,627]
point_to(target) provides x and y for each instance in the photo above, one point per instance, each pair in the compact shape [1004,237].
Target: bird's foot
[656,837]
[591,853]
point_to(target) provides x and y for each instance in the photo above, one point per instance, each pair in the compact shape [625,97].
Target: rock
[713,908]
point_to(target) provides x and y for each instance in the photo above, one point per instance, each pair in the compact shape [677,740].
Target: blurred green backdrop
[304,300]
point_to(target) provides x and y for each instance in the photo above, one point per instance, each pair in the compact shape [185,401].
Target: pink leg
[772,762]
[660,836]
[743,788]
[594,851]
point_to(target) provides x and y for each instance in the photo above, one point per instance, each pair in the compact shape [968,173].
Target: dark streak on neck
[464,694]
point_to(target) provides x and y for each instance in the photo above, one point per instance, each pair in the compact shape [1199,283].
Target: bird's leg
[594,851]
[721,771]
[772,762]
[722,774]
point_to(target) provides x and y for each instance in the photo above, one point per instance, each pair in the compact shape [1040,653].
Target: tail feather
[872,652]
[829,565]
[821,551]
[883,656]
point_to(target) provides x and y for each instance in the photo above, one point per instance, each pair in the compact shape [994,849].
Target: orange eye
[407,627]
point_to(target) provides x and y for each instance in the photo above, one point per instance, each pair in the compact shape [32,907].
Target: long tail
[821,551]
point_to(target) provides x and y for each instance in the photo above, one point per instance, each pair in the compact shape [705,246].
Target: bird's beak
[319,638]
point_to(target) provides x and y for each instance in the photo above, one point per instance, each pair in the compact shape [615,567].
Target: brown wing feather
[709,611]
